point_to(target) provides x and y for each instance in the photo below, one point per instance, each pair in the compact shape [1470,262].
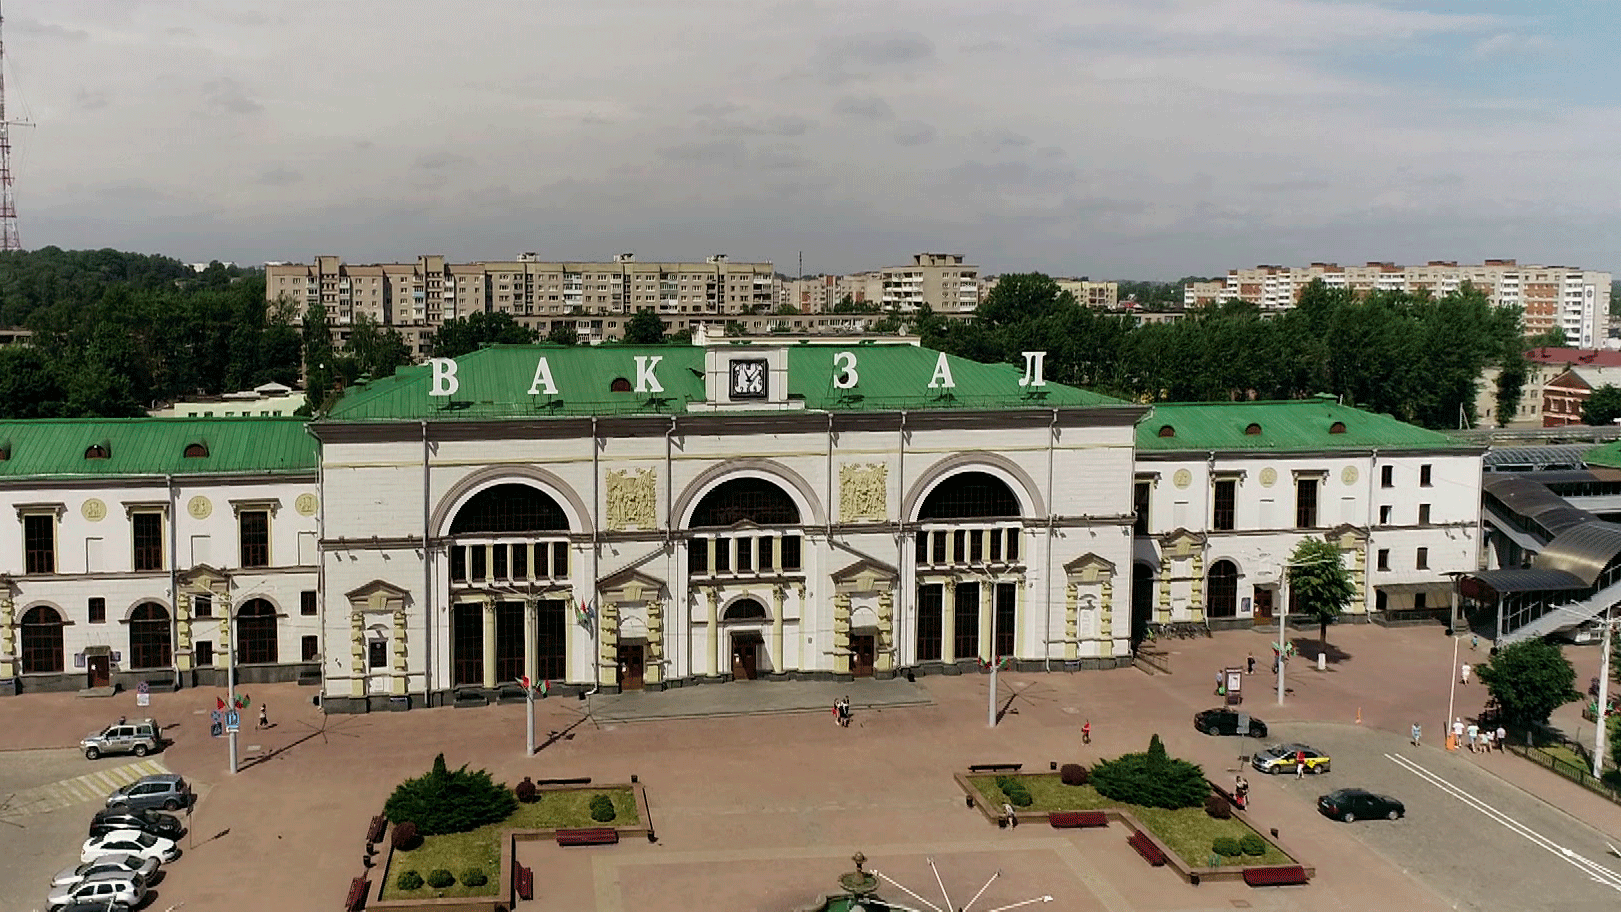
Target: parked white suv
[124,889]
[140,738]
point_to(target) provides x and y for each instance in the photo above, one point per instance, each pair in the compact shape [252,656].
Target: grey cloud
[439,161]
[714,109]
[90,99]
[1289,186]
[879,48]
[782,125]
[1003,139]
[363,144]
[33,28]
[227,96]
[1009,175]
[722,150]
[869,107]
[914,133]
[780,158]
[280,177]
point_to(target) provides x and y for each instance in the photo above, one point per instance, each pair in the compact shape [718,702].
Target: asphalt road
[1482,843]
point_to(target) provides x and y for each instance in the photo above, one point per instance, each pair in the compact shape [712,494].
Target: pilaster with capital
[1072,621]
[779,600]
[1196,602]
[1106,618]
[608,645]
[714,631]
[653,671]
[885,660]
[8,638]
[401,679]
[1163,609]
[841,633]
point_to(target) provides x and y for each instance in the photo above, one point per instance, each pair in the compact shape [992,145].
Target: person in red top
[1300,764]
[1086,732]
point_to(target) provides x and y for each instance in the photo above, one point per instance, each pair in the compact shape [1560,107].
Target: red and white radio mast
[9,239]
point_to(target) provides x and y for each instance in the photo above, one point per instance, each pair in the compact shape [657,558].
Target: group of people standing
[841,712]
[1480,739]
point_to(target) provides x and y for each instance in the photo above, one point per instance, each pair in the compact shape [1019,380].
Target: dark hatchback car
[1360,804]
[147,821]
[1228,722]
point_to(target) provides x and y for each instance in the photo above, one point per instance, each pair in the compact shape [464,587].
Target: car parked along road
[1350,804]
[168,791]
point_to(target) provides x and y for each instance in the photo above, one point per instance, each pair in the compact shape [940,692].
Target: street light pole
[230,673]
[1283,626]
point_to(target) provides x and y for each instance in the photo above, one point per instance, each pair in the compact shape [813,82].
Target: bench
[358,888]
[577,780]
[1063,820]
[374,833]
[995,767]
[1277,876]
[470,698]
[1146,848]
[588,836]
[526,882]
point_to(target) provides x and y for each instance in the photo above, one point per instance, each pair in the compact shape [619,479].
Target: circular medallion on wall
[306,504]
[1349,475]
[1182,478]
[1269,477]
[94,510]
[199,507]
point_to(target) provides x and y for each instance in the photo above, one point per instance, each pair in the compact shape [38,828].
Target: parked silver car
[168,791]
[107,864]
[140,737]
[125,889]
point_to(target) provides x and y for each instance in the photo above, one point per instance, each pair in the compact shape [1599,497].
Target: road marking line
[1597,872]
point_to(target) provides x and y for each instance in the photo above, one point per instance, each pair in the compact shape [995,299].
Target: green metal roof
[1605,456]
[155,446]
[1306,424]
[494,382]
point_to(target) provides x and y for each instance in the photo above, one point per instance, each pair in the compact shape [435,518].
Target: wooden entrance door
[864,648]
[630,666]
[100,670]
[745,656]
[1263,606]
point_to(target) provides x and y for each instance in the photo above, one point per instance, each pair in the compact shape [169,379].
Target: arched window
[745,610]
[1222,600]
[256,633]
[96,451]
[149,637]
[1166,430]
[619,385]
[196,451]
[970,495]
[508,508]
[1337,427]
[1252,430]
[754,499]
[42,640]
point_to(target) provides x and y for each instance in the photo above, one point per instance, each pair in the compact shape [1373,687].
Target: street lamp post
[230,673]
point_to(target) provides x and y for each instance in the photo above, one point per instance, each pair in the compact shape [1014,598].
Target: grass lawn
[1187,832]
[481,848]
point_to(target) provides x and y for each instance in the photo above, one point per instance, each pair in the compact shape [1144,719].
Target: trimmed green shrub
[1252,844]
[602,808]
[474,877]
[1151,779]
[1226,847]
[1217,806]
[1018,795]
[446,801]
[439,878]
[408,880]
[1072,774]
[526,791]
[405,836]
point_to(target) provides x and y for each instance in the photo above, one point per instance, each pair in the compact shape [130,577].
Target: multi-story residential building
[1572,299]
[1102,295]
[139,544]
[1564,397]
[942,281]
[1545,365]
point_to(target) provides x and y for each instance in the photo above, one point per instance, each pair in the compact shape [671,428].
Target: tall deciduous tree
[320,359]
[1511,376]
[563,335]
[1319,584]
[376,350]
[1529,680]
[1603,406]
[460,335]
[644,328]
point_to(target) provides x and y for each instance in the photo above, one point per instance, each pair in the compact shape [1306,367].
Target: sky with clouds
[1112,138]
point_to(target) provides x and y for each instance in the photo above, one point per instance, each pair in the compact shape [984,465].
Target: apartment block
[942,281]
[1102,295]
[1574,299]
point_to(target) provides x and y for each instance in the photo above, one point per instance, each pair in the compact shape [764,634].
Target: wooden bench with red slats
[374,833]
[1276,876]
[588,836]
[1063,820]
[526,882]
[358,888]
[1146,848]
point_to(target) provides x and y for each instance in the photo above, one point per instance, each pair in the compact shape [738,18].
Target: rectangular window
[745,555]
[1422,561]
[253,529]
[97,610]
[205,653]
[202,606]
[520,562]
[478,564]
[1384,515]
[1420,601]
[458,563]
[543,561]
[1005,617]
[1387,476]
[723,555]
[1423,514]
[922,548]
[1305,503]
[959,546]
[790,552]
[1384,559]
[1425,479]
[39,543]
[147,531]
[698,556]
[1012,545]
[508,641]
[467,644]
[766,556]
[309,648]
[1226,495]
[377,654]
[938,551]
[559,558]
[551,640]
[966,623]
[498,563]
[976,546]
[308,606]
[996,544]
[930,603]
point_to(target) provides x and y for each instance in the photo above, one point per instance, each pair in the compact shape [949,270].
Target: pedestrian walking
[1502,739]
[1457,732]
[1009,818]
[838,711]
[264,715]
[1474,641]
[1418,732]
[1086,732]
[1463,674]
[1486,738]
[1473,734]
[844,712]
[1250,668]
[1219,677]
[1241,792]
[1300,764]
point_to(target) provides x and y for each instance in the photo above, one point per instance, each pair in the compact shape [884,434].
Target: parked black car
[147,821]
[1228,722]
[1359,804]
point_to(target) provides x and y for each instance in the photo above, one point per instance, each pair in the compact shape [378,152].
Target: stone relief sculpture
[632,499]
[863,491]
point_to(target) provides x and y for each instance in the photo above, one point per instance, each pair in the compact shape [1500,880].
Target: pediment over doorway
[378,596]
[864,576]
[630,586]
[1181,544]
[1089,568]
[203,578]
